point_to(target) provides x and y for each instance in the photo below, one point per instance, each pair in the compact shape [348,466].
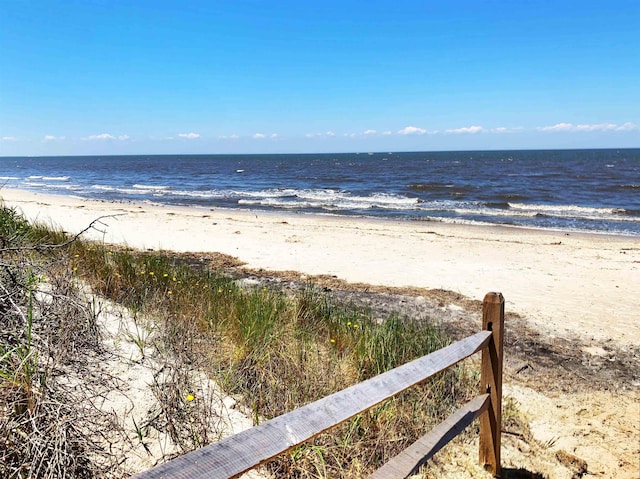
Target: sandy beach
[565,283]
[572,351]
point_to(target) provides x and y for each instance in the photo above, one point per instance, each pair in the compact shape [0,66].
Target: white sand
[583,284]
[133,358]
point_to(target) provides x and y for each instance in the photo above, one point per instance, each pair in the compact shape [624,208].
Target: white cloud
[412,130]
[628,126]
[189,136]
[274,136]
[468,129]
[386,133]
[369,132]
[101,136]
[259,136]
[556,127]
[9,138]
[229,137]
[503,129]
[597,127]
[53,138]
[328,134]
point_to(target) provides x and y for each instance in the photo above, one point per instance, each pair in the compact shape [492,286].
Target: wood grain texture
[408,461]
[232,456]
[491,382]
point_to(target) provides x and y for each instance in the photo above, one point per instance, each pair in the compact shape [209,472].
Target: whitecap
[151,187]
[54,178]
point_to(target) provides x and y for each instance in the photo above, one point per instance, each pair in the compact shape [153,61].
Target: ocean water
[574,190]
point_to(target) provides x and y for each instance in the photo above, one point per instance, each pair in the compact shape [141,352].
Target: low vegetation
[274,350]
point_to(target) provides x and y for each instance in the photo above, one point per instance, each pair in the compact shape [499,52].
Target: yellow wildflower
[190,397]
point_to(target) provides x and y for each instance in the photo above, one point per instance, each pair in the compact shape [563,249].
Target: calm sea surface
[584,190]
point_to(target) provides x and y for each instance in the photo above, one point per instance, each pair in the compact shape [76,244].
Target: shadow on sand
[511,473]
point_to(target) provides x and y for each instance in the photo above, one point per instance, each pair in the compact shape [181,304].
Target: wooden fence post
[491,382]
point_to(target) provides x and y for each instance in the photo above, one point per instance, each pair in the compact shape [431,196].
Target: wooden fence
[246,450]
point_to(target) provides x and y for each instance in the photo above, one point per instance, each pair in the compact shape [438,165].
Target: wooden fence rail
[230,457]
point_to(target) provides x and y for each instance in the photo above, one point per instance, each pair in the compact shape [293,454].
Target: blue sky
[136,77]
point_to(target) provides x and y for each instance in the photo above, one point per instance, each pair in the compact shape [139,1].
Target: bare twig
[46,247]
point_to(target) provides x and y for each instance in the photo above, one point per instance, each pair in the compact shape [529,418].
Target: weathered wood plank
[409,460]
[232,456]
[491,382]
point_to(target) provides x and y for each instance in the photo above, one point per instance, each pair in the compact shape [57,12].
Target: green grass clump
[279,352]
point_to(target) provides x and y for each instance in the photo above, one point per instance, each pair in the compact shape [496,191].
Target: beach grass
[276,350]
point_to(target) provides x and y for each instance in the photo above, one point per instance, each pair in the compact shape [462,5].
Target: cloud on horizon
[327,134]
[412,130]
[467,129]
[189,136]
[101,136]
[628,126]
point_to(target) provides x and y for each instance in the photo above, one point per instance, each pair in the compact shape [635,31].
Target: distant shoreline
[27,196]
[297,213]
[557,190]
